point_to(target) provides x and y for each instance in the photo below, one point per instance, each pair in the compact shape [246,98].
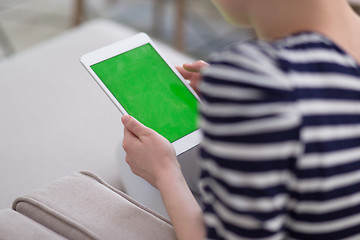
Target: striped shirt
[281,148]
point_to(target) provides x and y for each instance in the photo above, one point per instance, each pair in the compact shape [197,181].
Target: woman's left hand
[149,155]
[153,158]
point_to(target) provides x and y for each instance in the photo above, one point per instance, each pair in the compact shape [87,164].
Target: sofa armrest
[13,226]
[82,206]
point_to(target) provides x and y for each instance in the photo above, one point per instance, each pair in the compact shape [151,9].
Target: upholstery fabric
[82,206]
[14,226]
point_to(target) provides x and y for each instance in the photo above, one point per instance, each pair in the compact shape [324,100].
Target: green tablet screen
[150,91]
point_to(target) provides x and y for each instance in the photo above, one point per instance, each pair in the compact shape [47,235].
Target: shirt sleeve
[250,146]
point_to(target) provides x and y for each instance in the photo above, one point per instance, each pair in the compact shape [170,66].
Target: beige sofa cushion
[15,226]
[82,206]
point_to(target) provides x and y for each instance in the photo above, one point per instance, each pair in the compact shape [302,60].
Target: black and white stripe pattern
[281,149]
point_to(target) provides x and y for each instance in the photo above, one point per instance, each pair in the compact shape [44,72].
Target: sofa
[81,206]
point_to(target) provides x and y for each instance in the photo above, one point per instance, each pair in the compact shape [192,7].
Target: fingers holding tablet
[148,154]
[191,72]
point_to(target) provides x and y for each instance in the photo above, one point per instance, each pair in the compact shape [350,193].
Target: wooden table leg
[79,12]
[158,16]
[180,25]
[5,43]
[357,9]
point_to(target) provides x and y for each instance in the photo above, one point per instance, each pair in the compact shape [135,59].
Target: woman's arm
[153,158]
[184,212]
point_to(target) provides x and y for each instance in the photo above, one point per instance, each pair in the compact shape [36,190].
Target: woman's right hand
[191,72]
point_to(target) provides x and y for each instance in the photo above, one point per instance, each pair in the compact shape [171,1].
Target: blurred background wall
[24,23]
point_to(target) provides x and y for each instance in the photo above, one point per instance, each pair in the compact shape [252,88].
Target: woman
[281,123]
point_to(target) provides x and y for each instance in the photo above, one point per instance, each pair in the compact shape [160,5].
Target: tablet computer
[141,83]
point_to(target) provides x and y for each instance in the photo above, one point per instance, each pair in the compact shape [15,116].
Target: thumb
[196,66]
[134,126]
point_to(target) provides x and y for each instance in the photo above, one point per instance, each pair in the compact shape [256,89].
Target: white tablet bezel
[181,145]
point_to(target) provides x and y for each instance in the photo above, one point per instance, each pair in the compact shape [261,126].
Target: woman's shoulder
[273,63]
[252,62]
[259,51]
